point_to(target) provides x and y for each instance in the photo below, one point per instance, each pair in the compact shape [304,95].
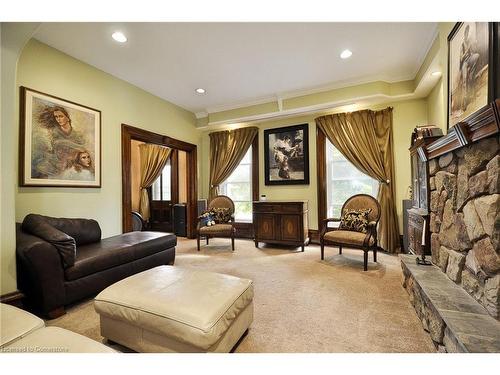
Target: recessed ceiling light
[345,54]
[436,74]
[119,37]
[200,91]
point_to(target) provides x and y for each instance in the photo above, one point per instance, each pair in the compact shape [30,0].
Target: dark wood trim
[174,177]
[321,172]
[22,134]
[244,230]
[14,298]
[255,168]
[131,132]
[314,236]
[482,124]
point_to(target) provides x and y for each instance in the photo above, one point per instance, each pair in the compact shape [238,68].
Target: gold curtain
[153,160]
[365,139]
[227,148]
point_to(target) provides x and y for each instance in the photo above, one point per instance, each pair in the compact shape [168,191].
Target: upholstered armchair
[224,230]
[353,239]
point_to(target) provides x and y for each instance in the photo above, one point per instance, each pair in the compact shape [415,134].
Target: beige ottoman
[172,309]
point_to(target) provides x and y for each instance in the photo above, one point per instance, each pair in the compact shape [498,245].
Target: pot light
[436,73]
[200,91]
[119,37]
[345,54]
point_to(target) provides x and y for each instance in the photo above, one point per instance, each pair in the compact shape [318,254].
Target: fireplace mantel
[482,124]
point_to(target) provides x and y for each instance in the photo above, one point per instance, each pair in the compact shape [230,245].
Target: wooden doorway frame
[130,133]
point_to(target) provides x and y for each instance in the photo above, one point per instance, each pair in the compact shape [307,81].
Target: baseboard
[14,298]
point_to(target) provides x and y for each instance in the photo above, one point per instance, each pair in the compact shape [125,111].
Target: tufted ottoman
[172,309]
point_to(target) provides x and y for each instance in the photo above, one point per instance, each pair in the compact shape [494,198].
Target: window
[238,187]
[161,189]
[343,181]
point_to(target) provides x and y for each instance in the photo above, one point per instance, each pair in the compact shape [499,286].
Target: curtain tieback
[387,182]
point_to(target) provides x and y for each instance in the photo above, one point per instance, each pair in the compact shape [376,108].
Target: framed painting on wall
[286,154]
[59,142]
[471,69]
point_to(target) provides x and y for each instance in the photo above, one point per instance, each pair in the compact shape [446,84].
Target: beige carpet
[303,304]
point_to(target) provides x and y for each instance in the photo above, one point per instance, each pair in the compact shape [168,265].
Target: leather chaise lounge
[61,260]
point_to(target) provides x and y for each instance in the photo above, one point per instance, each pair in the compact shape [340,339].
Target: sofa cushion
[16,324]
[84,231]
[348,237]
[65,244]
[220,229]
[117,250]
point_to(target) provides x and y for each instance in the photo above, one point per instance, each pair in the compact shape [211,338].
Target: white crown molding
[229,107]
[298,93]
[201,114]
[302,110]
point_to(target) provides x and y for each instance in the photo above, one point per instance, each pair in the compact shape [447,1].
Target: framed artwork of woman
[60,142]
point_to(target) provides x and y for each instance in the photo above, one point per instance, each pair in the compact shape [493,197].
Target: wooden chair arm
[325,225]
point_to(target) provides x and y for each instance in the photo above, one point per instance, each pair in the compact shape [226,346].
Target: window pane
[239,191]
[238,187]
[160,192]
[165,175]
[344,180]
[156,190]
[240,174]
[243,211]
[247,159]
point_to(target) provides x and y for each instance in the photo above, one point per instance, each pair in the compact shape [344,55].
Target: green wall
[437,100]
[406,115]
[45,69]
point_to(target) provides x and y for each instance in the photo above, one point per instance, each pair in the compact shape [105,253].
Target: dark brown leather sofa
[61,260]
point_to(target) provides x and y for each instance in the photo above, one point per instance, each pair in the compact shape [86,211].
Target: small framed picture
[286,153]
[471,69]
[59,142]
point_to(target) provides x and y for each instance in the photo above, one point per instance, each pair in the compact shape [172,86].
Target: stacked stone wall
[465,219]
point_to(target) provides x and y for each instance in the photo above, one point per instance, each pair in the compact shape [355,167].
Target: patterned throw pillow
[207,218]
[221,215]
[355,220]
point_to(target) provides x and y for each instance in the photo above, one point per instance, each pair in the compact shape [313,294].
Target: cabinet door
[265,226]
[290,228]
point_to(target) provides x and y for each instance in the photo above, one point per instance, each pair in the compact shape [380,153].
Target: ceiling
[244,63]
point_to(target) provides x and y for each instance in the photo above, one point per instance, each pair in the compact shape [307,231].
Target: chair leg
[207,239]
[375,254]
[365,260]
[340,249]
[232,243]
[322,250]
[198,241]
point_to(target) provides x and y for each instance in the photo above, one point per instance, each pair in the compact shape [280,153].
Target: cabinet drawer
[280,207]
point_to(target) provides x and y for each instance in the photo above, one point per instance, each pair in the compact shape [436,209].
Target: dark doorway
[163,194]
[165,191]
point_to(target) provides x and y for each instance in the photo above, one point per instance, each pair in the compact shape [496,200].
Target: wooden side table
[281,222]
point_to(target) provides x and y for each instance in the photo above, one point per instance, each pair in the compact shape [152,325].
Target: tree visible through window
[238,187]
[343,181]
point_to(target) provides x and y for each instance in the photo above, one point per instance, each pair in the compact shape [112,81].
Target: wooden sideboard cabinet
[281,222]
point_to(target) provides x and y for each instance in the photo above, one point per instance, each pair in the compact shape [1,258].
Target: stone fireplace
[465,219]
